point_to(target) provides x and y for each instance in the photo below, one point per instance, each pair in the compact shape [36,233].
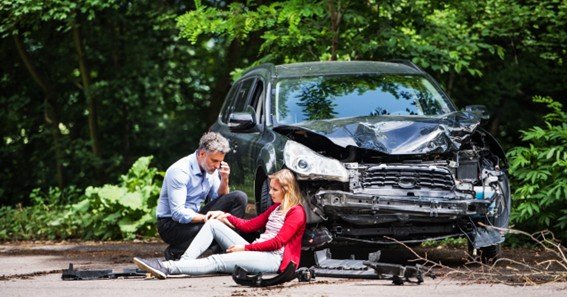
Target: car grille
[407,177]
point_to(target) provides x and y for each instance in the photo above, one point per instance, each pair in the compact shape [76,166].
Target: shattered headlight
[310,165]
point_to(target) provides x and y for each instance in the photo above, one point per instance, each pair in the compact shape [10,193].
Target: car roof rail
[407,63]
[269,66]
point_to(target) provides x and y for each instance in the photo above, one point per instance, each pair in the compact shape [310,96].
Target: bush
[32,222]
[539,174]
[123,211]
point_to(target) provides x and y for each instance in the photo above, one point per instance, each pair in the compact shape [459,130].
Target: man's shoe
[153,266]
[169,255]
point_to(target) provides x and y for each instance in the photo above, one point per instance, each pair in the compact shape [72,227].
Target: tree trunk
[335,16]
[92,105]
[49,109]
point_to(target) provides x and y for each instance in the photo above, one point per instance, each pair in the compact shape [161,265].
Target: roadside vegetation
[88,90]
[539,171]
[125,210]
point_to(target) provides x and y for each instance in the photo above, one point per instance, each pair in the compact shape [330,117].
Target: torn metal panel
[394,135]
[370,269]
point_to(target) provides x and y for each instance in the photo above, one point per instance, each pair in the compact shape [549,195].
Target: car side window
[228,102]
[243,95]
[257,103]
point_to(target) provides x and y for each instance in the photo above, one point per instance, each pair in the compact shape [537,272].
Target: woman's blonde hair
[292,195]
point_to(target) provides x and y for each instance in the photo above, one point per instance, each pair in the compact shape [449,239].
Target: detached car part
[366,269]
[74,274]
[242,277]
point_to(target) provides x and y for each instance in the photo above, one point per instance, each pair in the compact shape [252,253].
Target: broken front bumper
[337,201]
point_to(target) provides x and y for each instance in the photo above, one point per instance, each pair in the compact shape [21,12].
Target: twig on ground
[505,270]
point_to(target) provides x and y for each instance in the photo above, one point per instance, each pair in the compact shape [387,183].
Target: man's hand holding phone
[224,170]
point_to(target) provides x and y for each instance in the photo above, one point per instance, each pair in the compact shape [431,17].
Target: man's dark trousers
[179,236]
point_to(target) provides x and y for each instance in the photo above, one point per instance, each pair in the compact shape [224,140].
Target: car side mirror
[480,110]
[241,121]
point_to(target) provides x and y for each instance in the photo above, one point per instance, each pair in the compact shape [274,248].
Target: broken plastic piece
[483,237]
[316,237]
[244,278]
[370,269]
[72,274]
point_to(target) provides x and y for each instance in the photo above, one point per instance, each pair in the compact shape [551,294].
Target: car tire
[503,220]
[263,200]
[490,253]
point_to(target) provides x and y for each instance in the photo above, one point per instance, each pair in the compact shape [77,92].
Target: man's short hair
[214,142]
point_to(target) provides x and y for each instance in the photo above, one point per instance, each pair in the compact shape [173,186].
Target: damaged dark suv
[378,148]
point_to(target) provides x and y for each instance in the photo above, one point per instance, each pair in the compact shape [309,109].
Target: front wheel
[263,199]
[500,218]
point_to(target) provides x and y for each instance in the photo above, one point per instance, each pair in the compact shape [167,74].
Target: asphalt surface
[34,269]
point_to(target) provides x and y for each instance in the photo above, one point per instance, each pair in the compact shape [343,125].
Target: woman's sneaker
[153,266]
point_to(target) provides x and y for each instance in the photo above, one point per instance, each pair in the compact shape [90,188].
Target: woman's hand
[235,248]
[224,218]
[214,214]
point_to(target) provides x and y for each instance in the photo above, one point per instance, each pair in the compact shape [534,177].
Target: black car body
[379,149]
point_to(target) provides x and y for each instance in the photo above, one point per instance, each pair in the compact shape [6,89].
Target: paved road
[35,272]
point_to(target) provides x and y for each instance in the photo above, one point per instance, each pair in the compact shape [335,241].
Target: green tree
[21,19]
[431,34]
[113,69]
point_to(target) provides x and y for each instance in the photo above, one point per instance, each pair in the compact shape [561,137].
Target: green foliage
[439,37]
[539,173]
[123,211]
[33,222]
[453,242]
[153,91]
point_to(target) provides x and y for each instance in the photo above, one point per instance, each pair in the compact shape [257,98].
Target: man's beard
[205,168]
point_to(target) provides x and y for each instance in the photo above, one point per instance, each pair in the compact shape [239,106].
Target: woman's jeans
[254,262]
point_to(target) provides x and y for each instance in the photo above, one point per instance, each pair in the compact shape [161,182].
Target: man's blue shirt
[184,188]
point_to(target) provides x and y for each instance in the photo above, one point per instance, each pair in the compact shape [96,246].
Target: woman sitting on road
[280,244]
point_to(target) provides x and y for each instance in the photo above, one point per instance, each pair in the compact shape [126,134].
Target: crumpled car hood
[394,135]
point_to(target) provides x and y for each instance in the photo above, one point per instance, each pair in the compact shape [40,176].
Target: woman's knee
[214,223]
[211,225]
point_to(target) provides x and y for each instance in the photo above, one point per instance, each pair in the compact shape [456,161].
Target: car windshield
[332,97]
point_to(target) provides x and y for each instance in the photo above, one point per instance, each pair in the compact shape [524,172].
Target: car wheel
[503,206]
[263,200]
[501,219]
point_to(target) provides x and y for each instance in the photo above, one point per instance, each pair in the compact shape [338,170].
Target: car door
[248,143]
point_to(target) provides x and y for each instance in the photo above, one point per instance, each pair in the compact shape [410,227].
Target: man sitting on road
[187,183]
